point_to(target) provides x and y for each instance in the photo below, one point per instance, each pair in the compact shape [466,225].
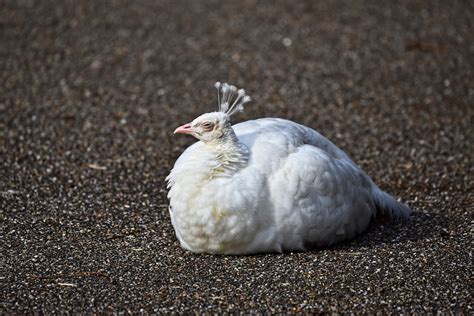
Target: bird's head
[215,125]
[206,127]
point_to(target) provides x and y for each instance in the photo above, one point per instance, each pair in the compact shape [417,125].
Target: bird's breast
[213,212]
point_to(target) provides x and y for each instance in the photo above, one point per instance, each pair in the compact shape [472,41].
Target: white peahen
[267,185]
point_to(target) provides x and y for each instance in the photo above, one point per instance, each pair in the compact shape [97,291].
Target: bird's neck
[231,154]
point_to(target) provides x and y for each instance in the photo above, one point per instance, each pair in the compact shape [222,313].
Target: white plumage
[268,185]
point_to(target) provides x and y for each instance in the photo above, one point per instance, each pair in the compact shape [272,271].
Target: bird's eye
[207,125]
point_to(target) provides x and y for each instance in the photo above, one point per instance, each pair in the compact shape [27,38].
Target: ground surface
[92,90]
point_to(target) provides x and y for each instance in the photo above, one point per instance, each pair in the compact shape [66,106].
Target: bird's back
[314,187]
[281,132]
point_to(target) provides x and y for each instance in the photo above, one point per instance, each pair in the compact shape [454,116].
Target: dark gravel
[92,90]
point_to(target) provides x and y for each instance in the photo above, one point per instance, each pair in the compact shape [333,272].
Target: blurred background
[92,90]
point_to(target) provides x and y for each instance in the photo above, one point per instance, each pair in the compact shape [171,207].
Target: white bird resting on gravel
[267,185]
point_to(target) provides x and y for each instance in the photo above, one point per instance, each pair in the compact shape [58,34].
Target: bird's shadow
[419,226]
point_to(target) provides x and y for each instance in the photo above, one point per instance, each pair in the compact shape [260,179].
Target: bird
[268,185]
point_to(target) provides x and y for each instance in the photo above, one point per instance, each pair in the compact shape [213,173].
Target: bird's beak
[183,129]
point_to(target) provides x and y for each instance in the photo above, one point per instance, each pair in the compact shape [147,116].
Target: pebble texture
[92,90]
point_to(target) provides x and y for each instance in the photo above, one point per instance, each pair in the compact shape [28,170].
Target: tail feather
[388,206]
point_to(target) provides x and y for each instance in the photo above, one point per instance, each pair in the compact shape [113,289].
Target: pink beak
[183,129]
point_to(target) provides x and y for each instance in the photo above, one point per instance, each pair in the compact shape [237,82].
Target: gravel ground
[92,90]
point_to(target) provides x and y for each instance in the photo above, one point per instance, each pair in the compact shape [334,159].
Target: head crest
[230,99]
